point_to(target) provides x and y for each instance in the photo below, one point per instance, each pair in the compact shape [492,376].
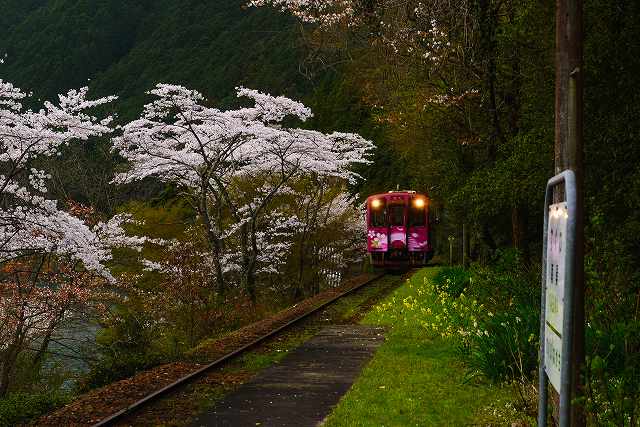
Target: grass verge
[416,378]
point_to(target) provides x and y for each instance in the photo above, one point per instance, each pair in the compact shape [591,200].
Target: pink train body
[398,229]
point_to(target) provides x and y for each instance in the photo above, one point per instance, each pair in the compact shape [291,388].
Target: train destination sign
[554,295]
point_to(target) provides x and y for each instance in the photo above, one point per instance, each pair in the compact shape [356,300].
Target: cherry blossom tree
[331,232]
[233,165]
[323,12]
[50,258]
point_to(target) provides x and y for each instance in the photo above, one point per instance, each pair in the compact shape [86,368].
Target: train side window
[377,217]
[417,217]
[396,215]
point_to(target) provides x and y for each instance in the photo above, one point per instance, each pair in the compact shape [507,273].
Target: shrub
[492,310]
[508,349]
[497,335]
[613,374]
[21,408]
[119,366]
[452,280]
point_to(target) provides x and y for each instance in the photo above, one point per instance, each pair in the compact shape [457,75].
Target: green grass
[415,379]
[273,352]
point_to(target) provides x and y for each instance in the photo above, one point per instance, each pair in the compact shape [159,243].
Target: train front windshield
[377,216]
[417,217]
[396,215]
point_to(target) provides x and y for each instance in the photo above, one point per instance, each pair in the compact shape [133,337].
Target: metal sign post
[557,302]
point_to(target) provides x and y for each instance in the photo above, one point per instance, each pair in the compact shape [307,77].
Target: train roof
[398,193]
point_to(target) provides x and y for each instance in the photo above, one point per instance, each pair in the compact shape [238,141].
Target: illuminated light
[376,203]
[419,203]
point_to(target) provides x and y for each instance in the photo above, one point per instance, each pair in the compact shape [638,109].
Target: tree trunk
[247,282]
[250,278]
[302,254]
[297,292]
[215,243]
[512,98]
[7,366]
[9,362]
[250,286]
[487,239]
[519,223]
[221,288]
[488,18]
[250,259]
[44,346]
[315,283]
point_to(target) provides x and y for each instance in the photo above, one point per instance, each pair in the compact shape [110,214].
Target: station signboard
[554,292]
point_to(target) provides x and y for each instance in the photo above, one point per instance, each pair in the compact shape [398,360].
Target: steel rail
[218,362]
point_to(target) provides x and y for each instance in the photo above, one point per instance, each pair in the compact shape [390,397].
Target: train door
[377,239]
[418,230]
[397,225]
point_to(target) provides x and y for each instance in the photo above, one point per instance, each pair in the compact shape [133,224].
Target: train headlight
[418,203]
[376,203]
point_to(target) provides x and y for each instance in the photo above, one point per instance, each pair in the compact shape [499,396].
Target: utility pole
[569,154]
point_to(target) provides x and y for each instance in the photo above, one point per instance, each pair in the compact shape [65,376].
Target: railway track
[124,415]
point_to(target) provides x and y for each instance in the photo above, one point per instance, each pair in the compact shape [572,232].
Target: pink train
[398,229]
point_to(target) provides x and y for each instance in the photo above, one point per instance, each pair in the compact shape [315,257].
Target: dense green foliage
[488,314]
[452,280]
[18,408]
[510,316]
[613,196]
[486,160]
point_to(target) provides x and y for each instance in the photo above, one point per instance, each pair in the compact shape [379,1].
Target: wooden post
[569,154]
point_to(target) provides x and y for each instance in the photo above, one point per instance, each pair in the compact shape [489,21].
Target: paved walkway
[302,389]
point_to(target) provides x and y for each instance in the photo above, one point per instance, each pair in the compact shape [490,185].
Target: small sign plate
[555,282]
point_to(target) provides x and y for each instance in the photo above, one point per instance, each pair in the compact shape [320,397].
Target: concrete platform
[302,389]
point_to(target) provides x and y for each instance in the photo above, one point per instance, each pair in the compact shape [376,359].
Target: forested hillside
[125,47]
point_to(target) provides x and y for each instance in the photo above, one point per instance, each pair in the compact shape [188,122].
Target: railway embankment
[179,406]
[302,389]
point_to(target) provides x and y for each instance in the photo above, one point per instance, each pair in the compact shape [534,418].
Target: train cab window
[396,215]
[417,217]
[377,216]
